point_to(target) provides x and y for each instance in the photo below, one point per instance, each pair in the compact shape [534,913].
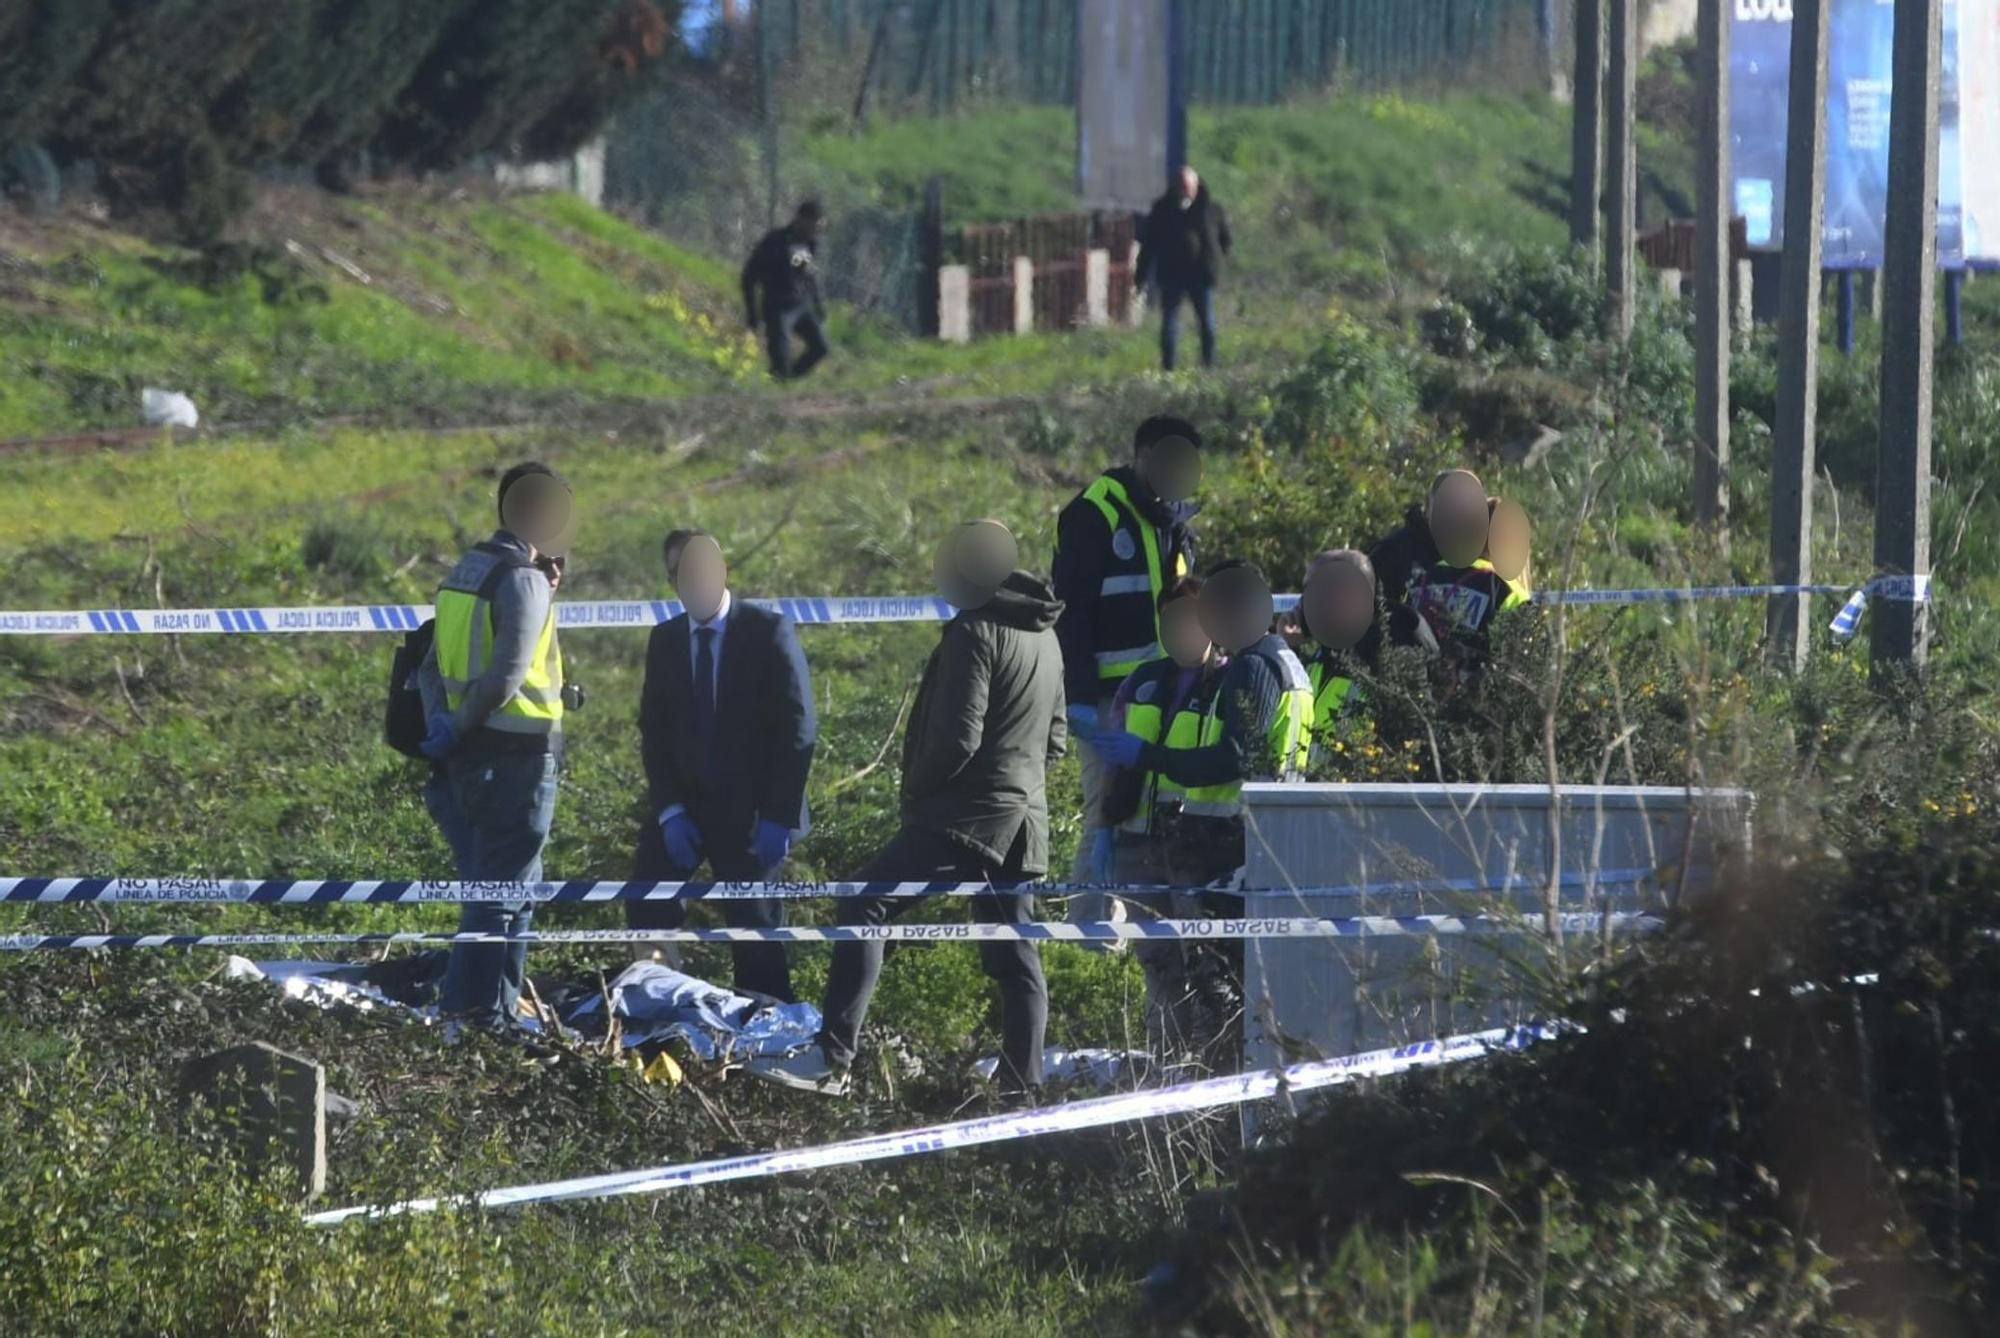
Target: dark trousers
[759,968]
[781,326]
[914,855]
[504,807]
[1171,297]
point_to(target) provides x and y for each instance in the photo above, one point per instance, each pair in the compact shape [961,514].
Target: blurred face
[1171,467]
[1236,609]
[1338,605]
[1182,635]
[1507,540]
[1187,182]
[539,509]
[700,577]
[809,228]
[973,561]
[1457,517]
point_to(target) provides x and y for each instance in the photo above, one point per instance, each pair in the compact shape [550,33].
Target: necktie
[704,688]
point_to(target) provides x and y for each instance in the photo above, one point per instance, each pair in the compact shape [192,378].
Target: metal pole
[1844,326]
[1712,265]
[1621,171]
[1586,149]
[1954,307]
[1177,91]
[1788,617]
[1898,629]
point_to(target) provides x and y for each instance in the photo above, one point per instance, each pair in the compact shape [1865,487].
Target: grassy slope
[260,756]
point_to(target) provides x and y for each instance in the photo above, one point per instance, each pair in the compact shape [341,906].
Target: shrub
[1526,301]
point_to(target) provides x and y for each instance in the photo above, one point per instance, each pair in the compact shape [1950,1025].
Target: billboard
[1976,87]
[1121,102]
[1860,66]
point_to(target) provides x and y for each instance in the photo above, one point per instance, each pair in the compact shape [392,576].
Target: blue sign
[1861,61]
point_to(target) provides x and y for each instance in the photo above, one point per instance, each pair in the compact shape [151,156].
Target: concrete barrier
[1444,849]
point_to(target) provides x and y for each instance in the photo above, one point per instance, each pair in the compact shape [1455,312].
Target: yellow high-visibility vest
[1129,594]
[464,641]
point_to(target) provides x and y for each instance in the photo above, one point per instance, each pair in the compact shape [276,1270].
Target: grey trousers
[915,855]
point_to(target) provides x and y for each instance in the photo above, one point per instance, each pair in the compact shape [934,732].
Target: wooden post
[1621,222]
[1712,263]
[1898,628]
[1586,148]
[1788,617]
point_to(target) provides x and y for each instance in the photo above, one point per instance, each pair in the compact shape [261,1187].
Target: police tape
[1086,931]
[320,892]
[807,610]
[1069,1117]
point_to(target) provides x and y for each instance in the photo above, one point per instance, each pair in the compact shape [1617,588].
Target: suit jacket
[765,729]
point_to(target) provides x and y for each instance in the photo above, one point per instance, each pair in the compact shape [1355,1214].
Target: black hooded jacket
[987,722]
[1184,246]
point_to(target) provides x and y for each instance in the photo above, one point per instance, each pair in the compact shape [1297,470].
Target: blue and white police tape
[1087,931]
[319,892]
[808,610]
[1093,1113]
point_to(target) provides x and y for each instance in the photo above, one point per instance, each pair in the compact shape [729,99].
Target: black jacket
[786,267]
[1183,247]
[987,722]
[765,728]
[1085,553]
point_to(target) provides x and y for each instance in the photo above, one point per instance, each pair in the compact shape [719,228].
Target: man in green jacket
[987,722]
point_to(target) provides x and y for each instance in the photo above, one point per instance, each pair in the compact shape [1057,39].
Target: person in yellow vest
[1508,542]
[1258,726]
[1337,620]
[1164,701]
[493,685]
[1119,545]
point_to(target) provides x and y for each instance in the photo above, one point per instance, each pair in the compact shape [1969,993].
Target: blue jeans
[1171,297]
[507,804]
[438,802]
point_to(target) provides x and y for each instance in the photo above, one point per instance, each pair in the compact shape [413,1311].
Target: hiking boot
[806,1070]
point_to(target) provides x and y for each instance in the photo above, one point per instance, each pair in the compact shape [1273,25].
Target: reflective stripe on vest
[1143,719]
[1114,503]
[464,641]
[1289,740]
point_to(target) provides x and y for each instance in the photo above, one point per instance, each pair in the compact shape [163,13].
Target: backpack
[404,725]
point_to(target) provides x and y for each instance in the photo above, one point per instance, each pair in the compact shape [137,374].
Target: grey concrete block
[271,1103]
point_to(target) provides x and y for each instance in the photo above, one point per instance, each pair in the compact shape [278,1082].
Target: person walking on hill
[1185,241]
[493,688]
[781,293]
[1120,545]
[727,732]
[987,721]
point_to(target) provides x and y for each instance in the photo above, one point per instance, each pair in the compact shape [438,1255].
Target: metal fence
[943,53]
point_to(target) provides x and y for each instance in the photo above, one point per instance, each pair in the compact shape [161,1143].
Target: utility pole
[1586,149]
[1898,630]
[1712,266]
[1621,234]
[1788,617]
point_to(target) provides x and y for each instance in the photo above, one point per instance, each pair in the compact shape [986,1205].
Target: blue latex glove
[1117,747]
[1082,721]
[683,841]
[441,739]
[1101,855]
[770,843]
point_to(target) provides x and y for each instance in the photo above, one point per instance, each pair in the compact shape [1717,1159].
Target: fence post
[1712,270]
[1898,628]
[1621,217]
[1787,617]
[1586,183]
[1024,295]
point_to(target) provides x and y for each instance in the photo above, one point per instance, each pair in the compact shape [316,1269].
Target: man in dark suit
[727,731]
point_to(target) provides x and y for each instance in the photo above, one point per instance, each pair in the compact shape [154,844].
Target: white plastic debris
[167,408]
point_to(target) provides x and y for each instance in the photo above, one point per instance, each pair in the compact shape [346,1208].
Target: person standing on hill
[781,293]
[986,724]
[1185,241]
[494,687]
[1120,545]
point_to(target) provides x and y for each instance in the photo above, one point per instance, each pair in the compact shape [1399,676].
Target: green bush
[1525,302]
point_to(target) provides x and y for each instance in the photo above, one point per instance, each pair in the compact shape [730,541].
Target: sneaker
[806,1070]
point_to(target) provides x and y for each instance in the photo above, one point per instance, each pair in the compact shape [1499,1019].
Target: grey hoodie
[987,722]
